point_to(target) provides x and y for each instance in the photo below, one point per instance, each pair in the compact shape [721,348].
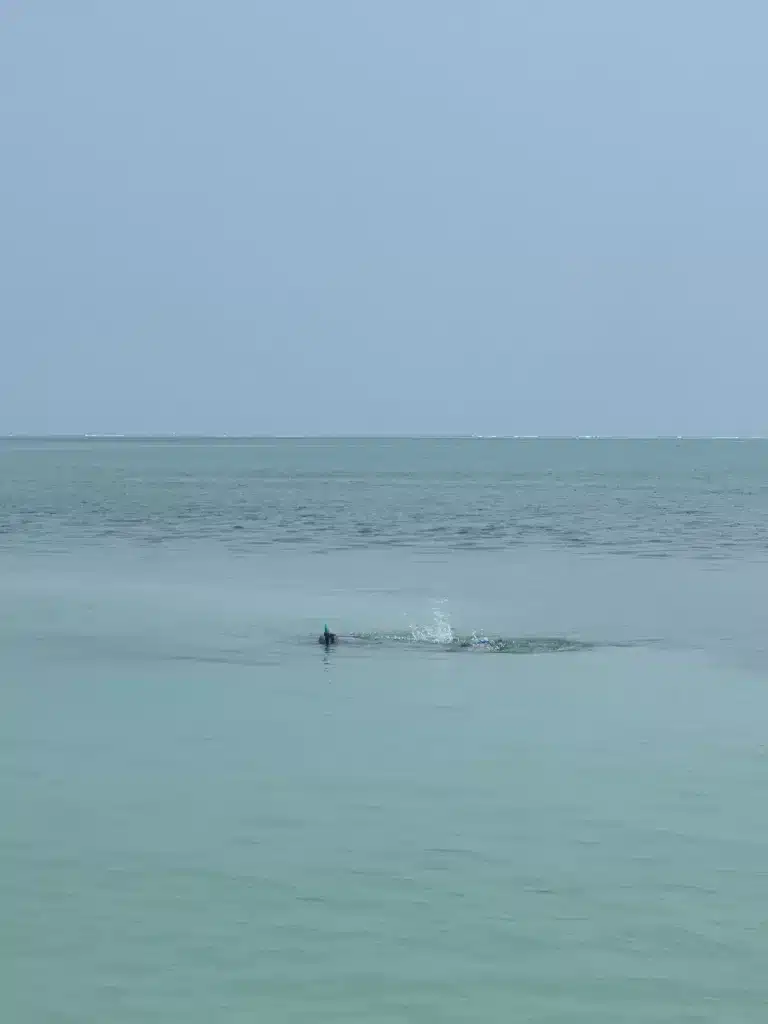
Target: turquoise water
[207,817]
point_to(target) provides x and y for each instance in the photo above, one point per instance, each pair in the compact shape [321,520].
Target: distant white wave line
[188,436]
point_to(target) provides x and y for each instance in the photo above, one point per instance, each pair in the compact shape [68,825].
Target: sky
[400,217]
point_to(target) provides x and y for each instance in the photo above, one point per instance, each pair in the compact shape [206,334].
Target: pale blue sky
[384,217]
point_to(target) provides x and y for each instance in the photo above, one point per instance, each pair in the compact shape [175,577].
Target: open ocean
[529,785]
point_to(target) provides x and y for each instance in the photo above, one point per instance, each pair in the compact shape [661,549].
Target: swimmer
[327,638]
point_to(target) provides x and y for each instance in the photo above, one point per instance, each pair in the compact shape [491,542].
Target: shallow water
[207,816]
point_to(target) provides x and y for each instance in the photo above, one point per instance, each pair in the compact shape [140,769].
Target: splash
[439,631]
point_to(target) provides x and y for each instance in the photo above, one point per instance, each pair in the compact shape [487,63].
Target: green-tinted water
[208,817]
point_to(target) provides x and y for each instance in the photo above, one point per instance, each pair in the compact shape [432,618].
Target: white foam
[439,631]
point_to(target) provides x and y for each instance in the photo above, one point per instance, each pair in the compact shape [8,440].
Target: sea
[529,783]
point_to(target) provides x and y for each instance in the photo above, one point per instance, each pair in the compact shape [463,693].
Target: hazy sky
[406,216]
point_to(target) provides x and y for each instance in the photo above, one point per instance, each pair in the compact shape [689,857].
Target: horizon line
[183,436]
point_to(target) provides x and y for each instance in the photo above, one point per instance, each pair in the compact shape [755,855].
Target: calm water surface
[528,786]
